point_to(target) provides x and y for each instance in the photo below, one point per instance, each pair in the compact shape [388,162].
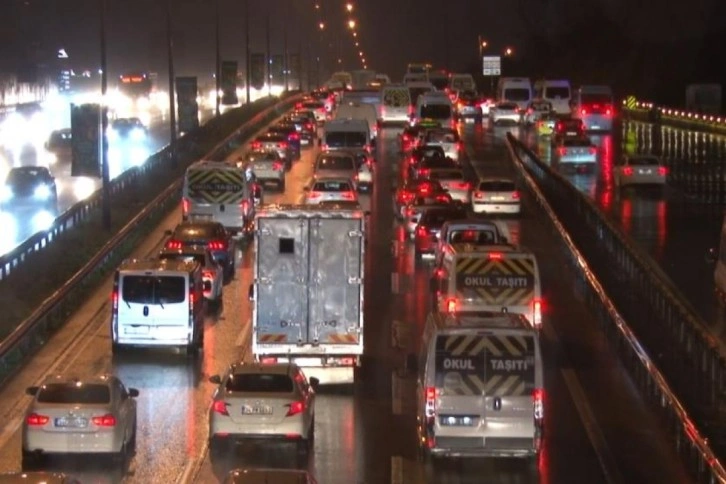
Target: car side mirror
[314,383]
[412,362]
[207,285]
[133,392]
[32,391]
[216,379]
[711,255]
[251,292]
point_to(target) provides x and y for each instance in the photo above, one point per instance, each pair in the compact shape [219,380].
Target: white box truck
[307,289]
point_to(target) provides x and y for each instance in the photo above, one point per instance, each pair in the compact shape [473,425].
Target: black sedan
[213,235]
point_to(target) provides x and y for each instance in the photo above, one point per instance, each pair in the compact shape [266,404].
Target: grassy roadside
[24,290]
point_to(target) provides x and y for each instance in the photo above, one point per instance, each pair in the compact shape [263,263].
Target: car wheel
[30,460]
[132,440]
[120,456]
[117,349]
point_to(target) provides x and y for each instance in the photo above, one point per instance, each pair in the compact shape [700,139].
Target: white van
[347,135]
[517,90]
[362,111]
[556,92]
[595,107]
[395,106]
[480,386]
[158,302]
[462,82]
[437,107]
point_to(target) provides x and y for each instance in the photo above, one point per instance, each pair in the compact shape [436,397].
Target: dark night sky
[392,32]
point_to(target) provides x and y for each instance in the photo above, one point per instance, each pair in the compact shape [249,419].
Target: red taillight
[256,145]
[208,274]
[462,185]
[114,299]
[662,170]
[282,145]
[268,360]
[294,136]
[628,170]
[324,147]
[173,244]
[478,195]
[107,420]
[314,195]
[277,166]
[348,195]
[538,403]
[185,206]
[410,211]
[442,198]
[593,150]
[451,305]
[496,255]
[245,206]
[583,112]
[220,407]
[422,231]
[460,146]
[309,126]
[217,245]
[515,195]
[299,106]
[424,173]
[35,419]
[295,408]
[562,151]
[537,310]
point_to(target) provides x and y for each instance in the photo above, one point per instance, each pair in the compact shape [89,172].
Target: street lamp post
[268,60]
[172,90]
[247,49]
[217,60]
[285,73]
[105,176]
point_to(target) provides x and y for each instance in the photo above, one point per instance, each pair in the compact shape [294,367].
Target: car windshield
[596,98]
[469,236]
[153,289]
[517,94]
[645,161]
[468,96]
[446,175]
[442,137]
[436,111]
[332,186]
[557,92]
[496,186]
[271,138]
[336,163]
[259,383]
[437,218]
[345,139]
[575,142]
[72,393]
[507,106]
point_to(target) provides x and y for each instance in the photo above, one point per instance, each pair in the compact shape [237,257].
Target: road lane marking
[608,464]
[395,283]
[396,403]
[396,469]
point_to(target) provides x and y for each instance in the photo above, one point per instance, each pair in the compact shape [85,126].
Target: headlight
[6,193]
[42,192]
[137,134]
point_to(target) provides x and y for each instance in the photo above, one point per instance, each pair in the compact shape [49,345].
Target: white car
[640,170]
[496,195]
[69,415]
[212,272]
[447,138]
[453,181]
[505,112]
[337,189]
[575,153]
[259,401]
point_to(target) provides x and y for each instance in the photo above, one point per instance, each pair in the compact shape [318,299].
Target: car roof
[188,250]
[103,379]
[339,179]
[335,154]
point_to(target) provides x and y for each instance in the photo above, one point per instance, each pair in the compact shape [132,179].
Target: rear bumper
[44,442]
[155,336]
[495,207]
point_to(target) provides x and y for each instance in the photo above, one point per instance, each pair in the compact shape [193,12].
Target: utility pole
[105,176]
[268,59]
[285,64]
[172,90]
[247,48]
[218,62]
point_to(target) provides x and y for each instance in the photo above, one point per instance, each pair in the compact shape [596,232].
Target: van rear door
[150,302]
[218,193]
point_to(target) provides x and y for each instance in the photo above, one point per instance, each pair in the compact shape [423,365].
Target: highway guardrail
[35,330]
[580,227]
[649,112]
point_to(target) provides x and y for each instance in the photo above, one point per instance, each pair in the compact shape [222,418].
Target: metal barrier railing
[650,112]
[577,220]
[33,332]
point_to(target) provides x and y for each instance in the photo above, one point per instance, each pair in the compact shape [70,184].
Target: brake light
[295,408]
[35,419]
[256,145]
[268,360]
[462,185]
[460,146]
[478,195]
[217,245]
[185,205]
[424,190]
[583,112]
[114,299]
[515,195]
[538,401]
[299,106]
[277,166]
[207,274]
[314,195]
[409,212]
[424,173]
[107,420]
[496,255]
[282,144]
[662,170]
[537,310]
[451,305]
[324,147]
[562,151]
[628,170]
[593,150]
[245,205]
[220,407]
[421,231]
[431,394]
[608,111]
[443,198]
[173,244]
[348,195]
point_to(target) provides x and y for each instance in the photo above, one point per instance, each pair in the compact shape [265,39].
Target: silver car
[275,142]
[267,166]
[537,110]
[259,401]
[335,165]
[640,170]
[331,190]
[70,415]
[453,181]
[575,153]
[496,195]
[505,112]
[447,138]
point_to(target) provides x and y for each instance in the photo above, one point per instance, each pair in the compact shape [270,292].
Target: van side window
[287,246]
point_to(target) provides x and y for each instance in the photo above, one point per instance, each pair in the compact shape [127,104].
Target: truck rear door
[282,280]
[335,271]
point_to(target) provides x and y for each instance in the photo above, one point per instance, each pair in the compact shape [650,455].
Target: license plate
[497,198]
[136,330]
[71,422]
[571,133]
[595,126]
[201,216]
[644,172]
[256,410]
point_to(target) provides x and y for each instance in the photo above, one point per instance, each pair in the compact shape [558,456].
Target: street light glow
[317,6]
[355,34]
[484,44]
[360,53]
[321,25]
[356,43]
[349,7]
[508,51]
[351,24]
